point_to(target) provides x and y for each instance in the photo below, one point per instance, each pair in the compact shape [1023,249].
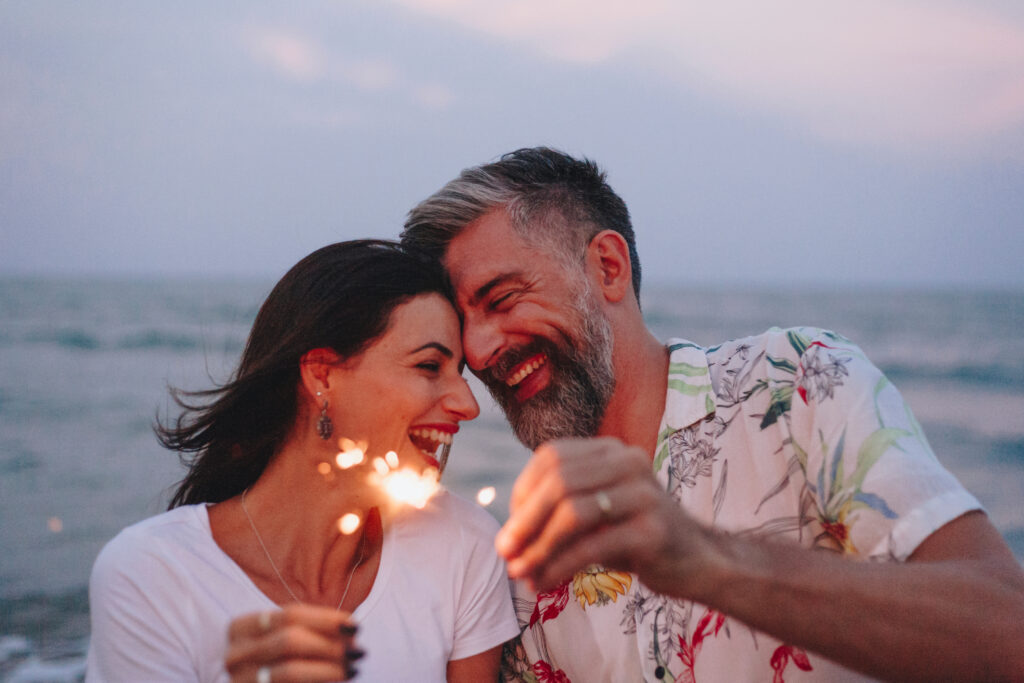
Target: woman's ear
[315,368]
[608,257]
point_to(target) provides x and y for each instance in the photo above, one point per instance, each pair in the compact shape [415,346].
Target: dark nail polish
[348,629]
[355,654]
[351,672]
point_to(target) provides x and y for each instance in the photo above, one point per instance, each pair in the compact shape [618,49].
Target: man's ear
[608,258]
[315,367]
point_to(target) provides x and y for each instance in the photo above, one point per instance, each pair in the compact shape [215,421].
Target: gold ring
[604,503]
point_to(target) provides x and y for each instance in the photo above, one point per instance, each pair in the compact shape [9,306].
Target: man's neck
[635,409]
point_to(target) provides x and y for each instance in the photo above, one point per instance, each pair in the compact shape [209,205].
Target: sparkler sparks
[349,523]
[351,454]
[486,495]
[403,485]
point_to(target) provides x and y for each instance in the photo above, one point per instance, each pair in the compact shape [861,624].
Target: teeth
[525,371]
[435,437]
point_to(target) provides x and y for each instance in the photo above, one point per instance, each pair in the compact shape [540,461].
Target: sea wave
[997,376]
[147,339]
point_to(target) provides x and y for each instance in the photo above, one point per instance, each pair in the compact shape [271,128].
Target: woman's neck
[285,533]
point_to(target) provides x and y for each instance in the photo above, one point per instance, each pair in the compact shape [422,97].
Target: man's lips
[525,369]
[531,378]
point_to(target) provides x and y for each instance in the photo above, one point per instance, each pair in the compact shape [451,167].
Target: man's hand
[585,501]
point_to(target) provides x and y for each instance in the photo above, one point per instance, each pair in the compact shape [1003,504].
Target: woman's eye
[430,366]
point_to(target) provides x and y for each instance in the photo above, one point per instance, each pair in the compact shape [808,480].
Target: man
[767,509]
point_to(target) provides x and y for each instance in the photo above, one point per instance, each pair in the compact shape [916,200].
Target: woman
[356,343]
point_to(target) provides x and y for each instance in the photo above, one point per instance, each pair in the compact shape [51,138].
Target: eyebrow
[486,288]
[448,353]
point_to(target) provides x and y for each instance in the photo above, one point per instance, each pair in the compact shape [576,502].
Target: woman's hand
[296,643]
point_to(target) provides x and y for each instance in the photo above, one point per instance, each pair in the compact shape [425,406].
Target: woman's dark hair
[339,297]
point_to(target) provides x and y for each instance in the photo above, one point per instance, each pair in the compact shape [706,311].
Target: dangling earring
[324,426]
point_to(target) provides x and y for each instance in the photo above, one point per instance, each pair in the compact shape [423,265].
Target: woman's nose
[461,401]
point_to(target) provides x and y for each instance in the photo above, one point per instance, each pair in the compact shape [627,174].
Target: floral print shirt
[789,435]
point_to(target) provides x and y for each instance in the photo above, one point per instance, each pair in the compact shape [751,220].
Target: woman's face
[405,393]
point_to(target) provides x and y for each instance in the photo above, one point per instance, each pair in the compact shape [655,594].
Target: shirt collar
[690,396]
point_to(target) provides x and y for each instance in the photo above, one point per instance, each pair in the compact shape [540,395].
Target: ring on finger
[265,622]
[263,674]
[604,504]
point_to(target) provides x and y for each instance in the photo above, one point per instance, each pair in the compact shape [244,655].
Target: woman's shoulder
[151,537]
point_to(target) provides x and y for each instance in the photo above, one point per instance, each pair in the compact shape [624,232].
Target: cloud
[302,59]
[906,75]
[292,56]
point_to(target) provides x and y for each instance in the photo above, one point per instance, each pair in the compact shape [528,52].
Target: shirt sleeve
[130,638]
[878,488]
[485,617]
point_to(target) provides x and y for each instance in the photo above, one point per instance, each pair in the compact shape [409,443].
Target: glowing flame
[324,468]
[410,487]
[350,458]
[349,523]
[401,484]
[485,496]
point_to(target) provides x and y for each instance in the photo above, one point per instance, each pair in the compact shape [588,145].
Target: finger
[296,636]
[578,517]
[323,619]
[584,462]
[295,671]
[571,469]
[291,642]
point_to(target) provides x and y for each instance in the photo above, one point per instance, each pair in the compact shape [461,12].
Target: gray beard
[582,381]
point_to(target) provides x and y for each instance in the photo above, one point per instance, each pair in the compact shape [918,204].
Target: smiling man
[763,509]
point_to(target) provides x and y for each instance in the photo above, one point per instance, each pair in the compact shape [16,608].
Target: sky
[796,143]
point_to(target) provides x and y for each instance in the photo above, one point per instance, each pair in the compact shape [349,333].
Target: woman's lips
[428,438]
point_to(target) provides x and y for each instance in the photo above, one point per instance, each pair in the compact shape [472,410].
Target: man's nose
[481,342]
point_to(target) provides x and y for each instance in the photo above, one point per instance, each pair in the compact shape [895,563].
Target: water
[84,366]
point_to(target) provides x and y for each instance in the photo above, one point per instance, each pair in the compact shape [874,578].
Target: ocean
[84,367]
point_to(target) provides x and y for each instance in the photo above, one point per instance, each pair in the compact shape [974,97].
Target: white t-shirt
[162,594]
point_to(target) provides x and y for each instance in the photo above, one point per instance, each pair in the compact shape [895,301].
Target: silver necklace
[351,574]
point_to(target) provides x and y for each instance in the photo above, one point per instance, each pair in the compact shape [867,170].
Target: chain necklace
[351,574]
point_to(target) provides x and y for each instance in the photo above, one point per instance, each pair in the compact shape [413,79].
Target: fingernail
[351,672]
[348,629]
[355,654]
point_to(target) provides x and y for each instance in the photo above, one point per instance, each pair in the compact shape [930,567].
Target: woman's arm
[478,667]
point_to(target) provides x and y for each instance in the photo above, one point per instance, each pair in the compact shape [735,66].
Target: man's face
[533,332]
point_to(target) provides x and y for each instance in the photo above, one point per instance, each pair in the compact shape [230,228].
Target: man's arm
[954,611]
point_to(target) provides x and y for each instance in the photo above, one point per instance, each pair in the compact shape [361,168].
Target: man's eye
[497,302]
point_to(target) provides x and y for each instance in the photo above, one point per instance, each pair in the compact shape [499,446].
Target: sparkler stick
[443,460]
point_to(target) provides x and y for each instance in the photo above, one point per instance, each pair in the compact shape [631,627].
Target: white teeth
[436,437]
[525,371]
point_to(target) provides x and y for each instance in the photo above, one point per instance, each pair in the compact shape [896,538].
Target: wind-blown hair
[552,200]
[339,297]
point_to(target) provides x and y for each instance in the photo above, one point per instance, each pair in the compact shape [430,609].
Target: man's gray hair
[553,200]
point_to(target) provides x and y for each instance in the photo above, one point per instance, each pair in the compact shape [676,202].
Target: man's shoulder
[777,342]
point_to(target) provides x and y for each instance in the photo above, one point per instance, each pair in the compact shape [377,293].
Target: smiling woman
[274,537]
